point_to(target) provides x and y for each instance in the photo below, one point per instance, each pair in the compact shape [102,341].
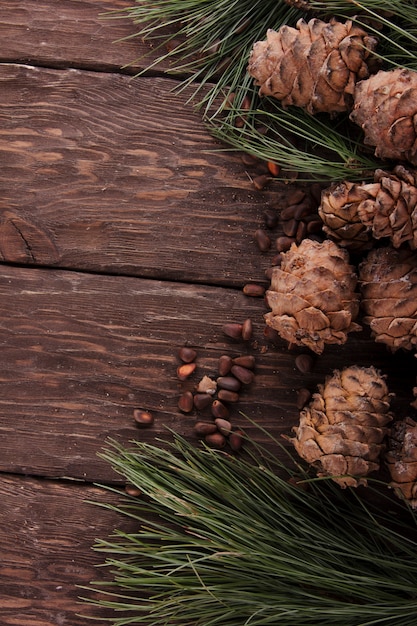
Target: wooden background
[126,232]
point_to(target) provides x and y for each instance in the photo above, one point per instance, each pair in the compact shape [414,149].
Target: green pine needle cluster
[228,541]
[208,43]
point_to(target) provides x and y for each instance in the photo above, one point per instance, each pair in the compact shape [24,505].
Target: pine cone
[401,460]
[385,106]
[342,430]
[385,208]
[338,211]
[312,295]
[388,284]
[314,66]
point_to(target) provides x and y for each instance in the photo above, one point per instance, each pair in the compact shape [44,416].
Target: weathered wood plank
[71,33]
[46,536]
[104,173]
[80,352]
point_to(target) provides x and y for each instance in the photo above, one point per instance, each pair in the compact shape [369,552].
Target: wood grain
[98,176]
[46,539]
[72,33]
[80,352]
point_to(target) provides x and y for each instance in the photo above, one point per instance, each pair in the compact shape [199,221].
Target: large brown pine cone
[401,460]
[385,106]
[342,430]
[388,284]
[314,66]
[351,212]
[312,295]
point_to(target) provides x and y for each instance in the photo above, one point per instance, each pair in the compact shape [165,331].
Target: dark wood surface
[126,232]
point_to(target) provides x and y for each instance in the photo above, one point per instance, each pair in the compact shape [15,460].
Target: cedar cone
[401,459]
[388,284]
[314,66]
[312,295]
[341,431]
[385,106]
[385,208]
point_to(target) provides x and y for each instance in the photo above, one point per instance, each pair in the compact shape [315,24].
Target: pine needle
[227,541]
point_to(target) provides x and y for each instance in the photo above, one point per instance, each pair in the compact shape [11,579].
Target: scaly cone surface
[401,460]
[388,284]
[353,214]
[342,430]
[385,106]
[312,295]
[314,66]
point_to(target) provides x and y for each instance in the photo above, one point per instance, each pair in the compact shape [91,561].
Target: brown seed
[255,291]
[223,426]
[204,428]
[259,182]
[288,212]
[283,244]
[302,210]
[314,226]
[262,240]
[218,409]
[225,395]
[269,272]
[271,218]
[296,196]
[304,363]
[246,360]
[143,418]
[216,440]
[274,168]
[228,382]
[233,330]
[276,259]
[184,371]
[187,355]
[303,396]
[236,440]
[243,374]
[186,402]
[249,159]
[225,363]
[301,232]
[290,227]
[131,490]
[247,329]
[202,401]
[271,334]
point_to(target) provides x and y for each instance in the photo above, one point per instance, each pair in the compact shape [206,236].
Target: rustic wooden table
[125,233]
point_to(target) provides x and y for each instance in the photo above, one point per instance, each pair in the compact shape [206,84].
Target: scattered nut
[205,428]
[304,363]
[255,291]
[186,402]
[143,418]
[246,360]
[233,330]
[184,371]
[202,401]
[132,490]
[303,396]
[225,395]
[187,355]
[228,382]
[218,409]
[247,329]
[243,374]
[236,440]
[225,363]
[223,426]
[215,440]
[262,239]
